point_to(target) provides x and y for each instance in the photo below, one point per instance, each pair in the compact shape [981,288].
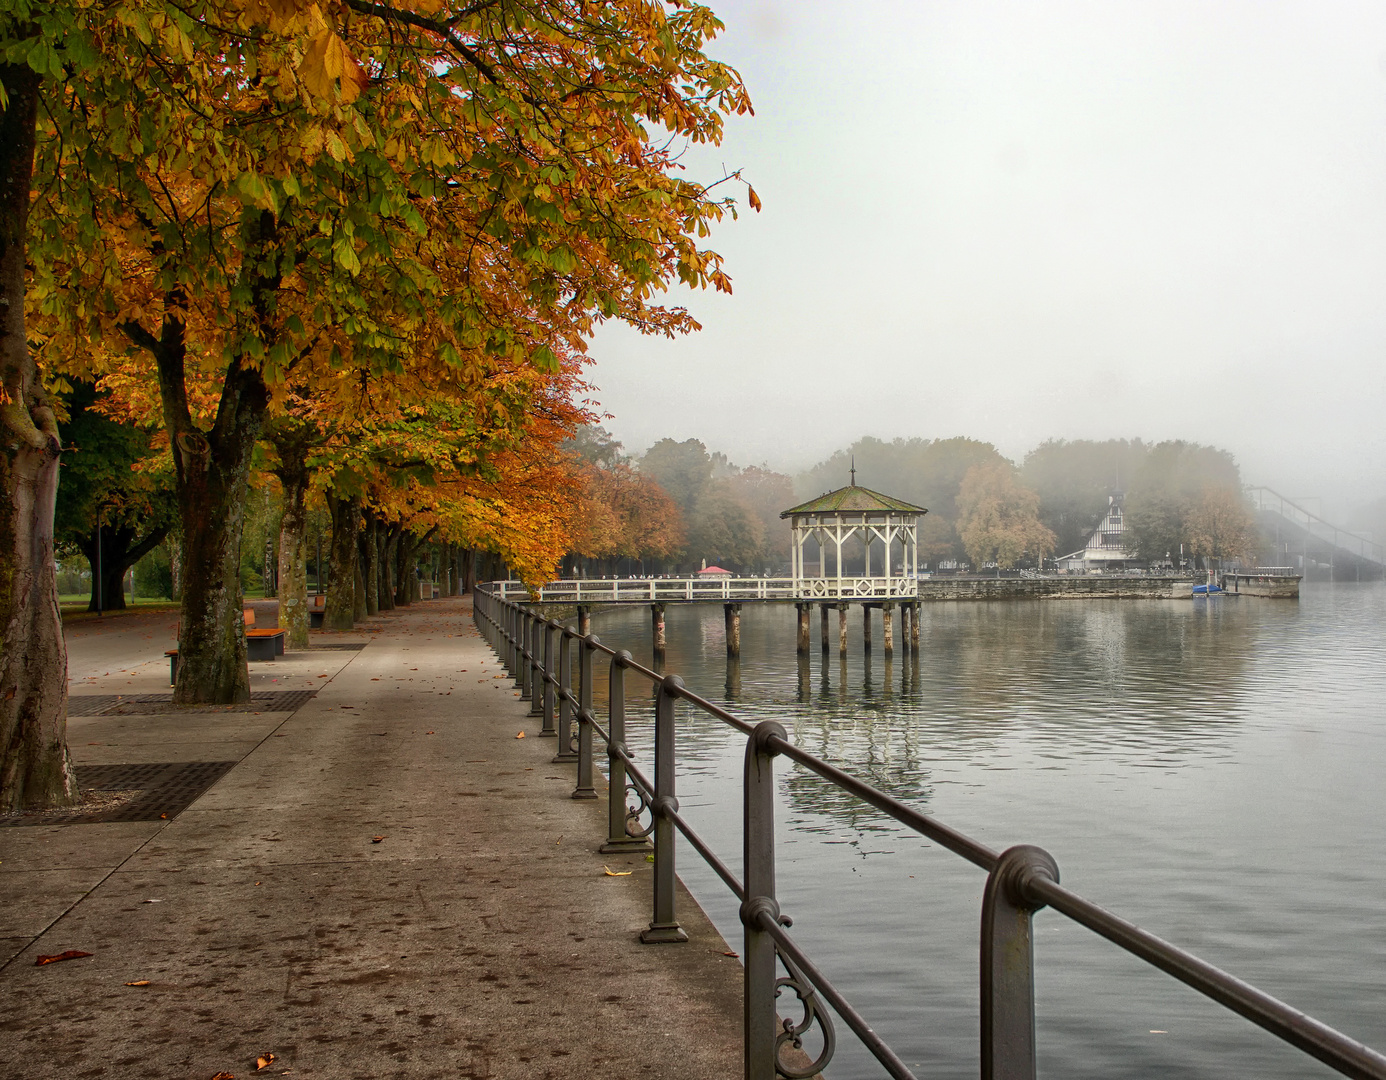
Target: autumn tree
[1221,525]
[1165,490]
[998,518]
[1074,480]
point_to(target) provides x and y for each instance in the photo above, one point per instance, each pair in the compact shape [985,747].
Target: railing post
[587,647]
[758,870]
[536,673]
[565,689]
[664,927]
[547,730]
[517,646]
[1008,968]
[617,839]
[523,674]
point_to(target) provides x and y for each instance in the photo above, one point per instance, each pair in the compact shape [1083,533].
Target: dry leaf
[376,839]
[138,982]
[521,735]
[264,1061]
[224,1076]
[730,953]
[428,733]
[616,873]
[71,954]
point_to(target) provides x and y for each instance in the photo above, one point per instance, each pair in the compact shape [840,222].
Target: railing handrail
[1021,880]
[1312,523]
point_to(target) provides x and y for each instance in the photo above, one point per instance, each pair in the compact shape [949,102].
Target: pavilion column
[804,633]
[888,627]
[657,621]
[866,627]
[732,614]
[842,629]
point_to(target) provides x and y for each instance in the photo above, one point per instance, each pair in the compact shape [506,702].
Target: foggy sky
[1017,221]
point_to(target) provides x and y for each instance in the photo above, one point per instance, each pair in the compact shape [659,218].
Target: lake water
[1213,770]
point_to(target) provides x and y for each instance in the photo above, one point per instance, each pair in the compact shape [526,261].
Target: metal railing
[1020,880]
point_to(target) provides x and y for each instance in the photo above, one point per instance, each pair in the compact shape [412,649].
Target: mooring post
[657,620]
[803,609]
[888,628]
[1008,963]
[618,838]
[823,620]
[914,626]
[732,614]
[585,789]
[664,928]
[584,616]
[761,1024]
[547,729]
[866,627]
[905,621]
[565,697]
[842,629]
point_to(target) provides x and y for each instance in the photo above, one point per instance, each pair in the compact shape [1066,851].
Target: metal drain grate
[130,704]
[165,789]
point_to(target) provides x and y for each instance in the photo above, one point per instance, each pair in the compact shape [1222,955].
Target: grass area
[74,608]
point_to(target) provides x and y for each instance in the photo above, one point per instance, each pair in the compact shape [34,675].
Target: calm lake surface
[1211,769]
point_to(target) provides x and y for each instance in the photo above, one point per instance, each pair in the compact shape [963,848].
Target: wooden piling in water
[804,632]
[823,613]
[732,614]
[657,619]
[866,627]
[842,629]
[888,627]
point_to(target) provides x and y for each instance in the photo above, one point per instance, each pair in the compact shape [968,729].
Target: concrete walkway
[480,936]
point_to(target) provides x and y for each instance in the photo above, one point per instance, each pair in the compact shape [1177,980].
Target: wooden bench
[264,644]
[316,612]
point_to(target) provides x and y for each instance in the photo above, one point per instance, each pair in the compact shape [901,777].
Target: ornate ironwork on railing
[538,652]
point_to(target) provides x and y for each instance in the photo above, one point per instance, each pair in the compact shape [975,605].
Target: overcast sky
[1017,221]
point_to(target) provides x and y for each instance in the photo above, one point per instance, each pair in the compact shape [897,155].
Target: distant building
[1109,546]
[714,572]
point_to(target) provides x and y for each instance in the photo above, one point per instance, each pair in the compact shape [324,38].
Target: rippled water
[1211,769]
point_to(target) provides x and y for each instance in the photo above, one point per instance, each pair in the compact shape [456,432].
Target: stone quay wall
[1076,587]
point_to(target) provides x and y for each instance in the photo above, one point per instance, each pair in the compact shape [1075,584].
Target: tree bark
[35,766]
[468,570]
[406,588]
[358,607]
[388,537]
[340,606]
[293,540]
[370,553]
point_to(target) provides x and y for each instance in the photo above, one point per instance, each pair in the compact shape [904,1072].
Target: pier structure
[855,546]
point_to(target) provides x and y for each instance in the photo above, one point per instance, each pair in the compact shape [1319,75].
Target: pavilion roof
[853,499]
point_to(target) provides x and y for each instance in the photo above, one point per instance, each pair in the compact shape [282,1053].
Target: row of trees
[355,246]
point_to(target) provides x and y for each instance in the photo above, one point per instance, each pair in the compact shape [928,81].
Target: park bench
[316,612]
[260,644]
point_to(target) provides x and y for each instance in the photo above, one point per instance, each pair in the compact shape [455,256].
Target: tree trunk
[293,547]
[120,550]
[358,607]
[385,540]
[370,554]
[340,609]
[406,588]
[35,767]
[175,563]
[468,570]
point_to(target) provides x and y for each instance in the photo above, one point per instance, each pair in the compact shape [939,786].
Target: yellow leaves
[616,873]
[753,198]
[329,71]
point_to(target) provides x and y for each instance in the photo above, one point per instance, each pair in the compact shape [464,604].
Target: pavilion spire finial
[854,470]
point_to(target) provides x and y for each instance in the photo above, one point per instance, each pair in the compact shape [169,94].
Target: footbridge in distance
[1298,532]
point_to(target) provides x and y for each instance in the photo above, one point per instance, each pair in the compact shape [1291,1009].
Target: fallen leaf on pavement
[428,733]
[138,982]
[616,873]
[376,839]
[224,1076]
[71,954]
[264,1061]
[521,735]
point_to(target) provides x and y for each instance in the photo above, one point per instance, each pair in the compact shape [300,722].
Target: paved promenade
[385,882]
